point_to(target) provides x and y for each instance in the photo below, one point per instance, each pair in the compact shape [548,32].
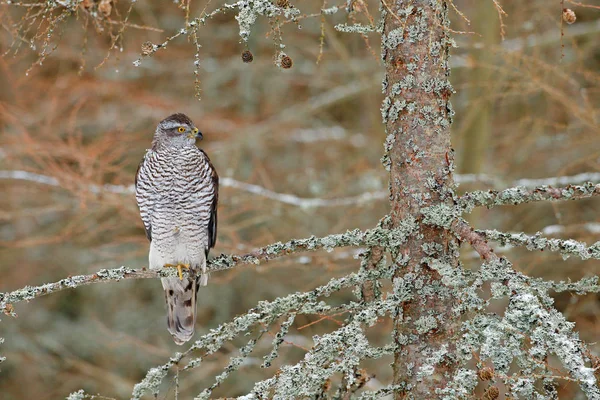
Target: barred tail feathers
[180,296]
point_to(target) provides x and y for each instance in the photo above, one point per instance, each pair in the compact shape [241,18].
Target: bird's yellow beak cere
[195,134]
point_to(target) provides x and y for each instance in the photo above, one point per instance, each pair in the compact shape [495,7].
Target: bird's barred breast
[178,187]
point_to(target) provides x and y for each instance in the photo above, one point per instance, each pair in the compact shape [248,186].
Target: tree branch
[530,311]
[373,237]
[537,242]
[265,313]
[520,195]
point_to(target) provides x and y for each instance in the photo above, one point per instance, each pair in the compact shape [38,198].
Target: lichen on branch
[566,248]
[264,314]
[377,236]
[520,195]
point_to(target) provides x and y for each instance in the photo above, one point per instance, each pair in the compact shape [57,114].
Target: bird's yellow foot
[179,268]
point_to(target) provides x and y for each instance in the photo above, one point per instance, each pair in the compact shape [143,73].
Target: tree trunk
[417,115]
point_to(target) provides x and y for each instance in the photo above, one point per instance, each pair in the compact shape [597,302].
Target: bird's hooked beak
[195,134]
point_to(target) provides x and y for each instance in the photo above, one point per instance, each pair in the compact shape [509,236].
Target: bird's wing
[144,194]
[212,224]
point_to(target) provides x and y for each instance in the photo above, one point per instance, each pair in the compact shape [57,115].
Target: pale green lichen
[330,10]
[151,383]
[78,395]
[566,248]
[31,292]
[374,237]
[266,312]
[283,330]
[355,28]
[307,377]
[233,365]
[530,329]
[585,285]
[529,315]
[432,358]
[249,10]
[441,215]
[460,387]
[522,194]
[425,324]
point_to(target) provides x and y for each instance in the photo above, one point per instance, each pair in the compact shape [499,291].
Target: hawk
[176,188]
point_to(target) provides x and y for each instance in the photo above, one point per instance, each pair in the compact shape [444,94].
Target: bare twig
[580,4]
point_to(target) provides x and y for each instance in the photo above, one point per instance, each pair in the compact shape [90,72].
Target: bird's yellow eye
[181,129]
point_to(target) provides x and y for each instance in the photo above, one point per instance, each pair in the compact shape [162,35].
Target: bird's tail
[181,307]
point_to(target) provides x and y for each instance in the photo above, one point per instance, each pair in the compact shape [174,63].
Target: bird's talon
[179,268]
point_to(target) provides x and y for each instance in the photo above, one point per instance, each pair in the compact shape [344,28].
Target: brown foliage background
[525,108]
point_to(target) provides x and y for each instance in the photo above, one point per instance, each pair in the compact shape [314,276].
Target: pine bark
[417,115]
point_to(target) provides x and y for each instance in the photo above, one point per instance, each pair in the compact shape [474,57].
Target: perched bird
[176,188]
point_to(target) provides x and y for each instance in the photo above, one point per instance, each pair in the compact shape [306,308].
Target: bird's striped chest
[179,177]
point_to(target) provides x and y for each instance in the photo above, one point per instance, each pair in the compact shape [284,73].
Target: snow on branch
[521,194]
[373,237]
[566,248]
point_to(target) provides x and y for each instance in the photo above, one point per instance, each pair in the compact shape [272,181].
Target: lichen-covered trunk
[417,115]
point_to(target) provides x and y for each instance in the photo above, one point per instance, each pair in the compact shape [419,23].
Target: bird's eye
[181,129]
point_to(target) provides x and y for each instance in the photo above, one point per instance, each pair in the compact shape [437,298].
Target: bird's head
[176,130]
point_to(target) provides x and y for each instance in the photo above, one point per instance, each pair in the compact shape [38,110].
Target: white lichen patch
[426,324]
[78,395]
[250,10]
[566,248]
[355,28]
[441,215]
[460,387]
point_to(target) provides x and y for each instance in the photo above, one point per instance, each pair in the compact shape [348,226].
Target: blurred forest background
[527,106]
